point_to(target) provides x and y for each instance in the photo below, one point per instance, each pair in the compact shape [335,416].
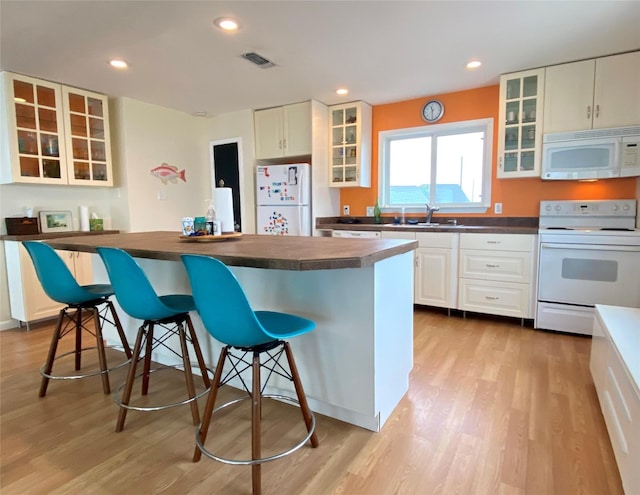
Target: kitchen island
[355,365]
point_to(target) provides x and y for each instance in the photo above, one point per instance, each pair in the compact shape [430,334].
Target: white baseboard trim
[8,324]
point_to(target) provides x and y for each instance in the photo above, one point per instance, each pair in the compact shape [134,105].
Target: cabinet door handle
[493,242]
[588,111]
[284,143]
[491,298]
[489,265]
[597,111]
[280,144]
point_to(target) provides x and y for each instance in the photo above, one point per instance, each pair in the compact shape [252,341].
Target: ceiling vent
[259,60]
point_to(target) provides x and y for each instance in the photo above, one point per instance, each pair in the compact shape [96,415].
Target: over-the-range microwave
[593,154]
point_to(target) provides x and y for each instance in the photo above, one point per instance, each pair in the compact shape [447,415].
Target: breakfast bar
[355,365]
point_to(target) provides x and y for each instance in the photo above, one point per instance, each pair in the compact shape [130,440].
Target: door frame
[238,142]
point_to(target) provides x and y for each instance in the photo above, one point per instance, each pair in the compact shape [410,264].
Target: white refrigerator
[283,199]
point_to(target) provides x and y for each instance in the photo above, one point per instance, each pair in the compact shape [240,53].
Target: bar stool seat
[82,303]
[169,313]
[228,317]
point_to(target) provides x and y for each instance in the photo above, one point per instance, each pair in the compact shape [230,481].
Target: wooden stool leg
[118,325]
[198,351]
[302,398]
[78,353]
[53,347]
[102,358]
[211,402]
[256,414]
[146,371]
[131,376]
[188,375]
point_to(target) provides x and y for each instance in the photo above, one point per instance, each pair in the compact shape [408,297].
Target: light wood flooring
[493,408]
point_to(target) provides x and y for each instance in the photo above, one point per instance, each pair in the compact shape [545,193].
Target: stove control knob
[615,207]
[547,208]
[626,207]
[558,207]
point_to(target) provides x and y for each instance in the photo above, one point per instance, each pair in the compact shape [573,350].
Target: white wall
[146,136]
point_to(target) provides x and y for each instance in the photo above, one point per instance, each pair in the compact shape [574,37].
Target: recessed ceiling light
[226,23]
[474,64]
[118,64]
[201,113]
[342,91]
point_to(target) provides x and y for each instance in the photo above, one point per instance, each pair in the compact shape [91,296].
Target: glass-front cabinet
[87,137]
[52,134]
[350,145]
[520,124]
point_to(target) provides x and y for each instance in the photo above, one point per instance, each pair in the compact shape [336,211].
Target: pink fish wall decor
[166,172]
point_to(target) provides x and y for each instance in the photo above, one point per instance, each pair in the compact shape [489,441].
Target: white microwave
[593,154]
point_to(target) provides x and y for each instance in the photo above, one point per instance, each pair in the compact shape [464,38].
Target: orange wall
[519,197]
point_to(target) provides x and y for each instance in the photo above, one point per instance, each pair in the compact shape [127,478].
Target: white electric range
[589,253]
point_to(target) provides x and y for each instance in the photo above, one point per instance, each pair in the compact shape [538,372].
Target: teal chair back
[222,303]
[132,288]
[55,277]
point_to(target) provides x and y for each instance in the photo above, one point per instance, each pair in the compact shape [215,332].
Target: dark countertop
[489,225]
[54,235]
[256,251]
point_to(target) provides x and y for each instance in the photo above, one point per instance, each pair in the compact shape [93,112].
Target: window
[445,165]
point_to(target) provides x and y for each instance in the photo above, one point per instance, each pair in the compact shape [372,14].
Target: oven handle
[592,247]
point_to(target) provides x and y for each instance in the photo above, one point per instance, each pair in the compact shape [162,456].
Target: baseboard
[8,324]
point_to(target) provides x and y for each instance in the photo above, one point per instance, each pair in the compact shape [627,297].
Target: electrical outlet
[370,211]
[497,208]
[162,195]
[345,210]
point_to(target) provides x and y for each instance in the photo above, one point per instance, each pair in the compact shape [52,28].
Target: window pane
[459,168]
[409,170]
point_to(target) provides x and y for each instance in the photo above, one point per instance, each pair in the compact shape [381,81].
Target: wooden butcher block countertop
[257,251]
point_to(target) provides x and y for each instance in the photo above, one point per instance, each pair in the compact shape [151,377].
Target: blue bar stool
[82,303]
[228,317]
[139,300]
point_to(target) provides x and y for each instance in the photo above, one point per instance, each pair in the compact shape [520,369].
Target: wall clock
[432,111]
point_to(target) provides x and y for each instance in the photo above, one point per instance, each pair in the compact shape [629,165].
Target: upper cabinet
[350,145]
[52,134]
[593,94]
[519,129]
[283,131]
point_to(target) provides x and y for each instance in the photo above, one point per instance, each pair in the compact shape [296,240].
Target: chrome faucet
[430,211]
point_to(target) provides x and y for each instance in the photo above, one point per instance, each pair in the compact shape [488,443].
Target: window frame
[479,125]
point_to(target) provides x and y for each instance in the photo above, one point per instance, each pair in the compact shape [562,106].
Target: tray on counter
[211,238]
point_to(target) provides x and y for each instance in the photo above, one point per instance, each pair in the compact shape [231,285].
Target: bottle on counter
[377,213]
[210,219]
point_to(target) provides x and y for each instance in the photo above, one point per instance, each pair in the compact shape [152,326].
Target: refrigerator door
[284,220]
[283,184]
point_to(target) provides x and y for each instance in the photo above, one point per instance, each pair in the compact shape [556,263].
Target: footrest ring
[251,462]
[85,375]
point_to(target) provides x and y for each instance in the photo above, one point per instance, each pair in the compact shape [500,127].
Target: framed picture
[56,221]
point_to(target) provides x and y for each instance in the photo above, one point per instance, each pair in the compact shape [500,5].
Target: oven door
[589,274]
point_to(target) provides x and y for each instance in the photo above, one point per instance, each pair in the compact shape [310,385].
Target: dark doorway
[226,173]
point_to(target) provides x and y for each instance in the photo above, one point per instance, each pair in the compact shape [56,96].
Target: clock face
[432,111]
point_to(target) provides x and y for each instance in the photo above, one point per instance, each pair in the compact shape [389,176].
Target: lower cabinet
[436,267]
[613,358]
[497,274]
[26,297]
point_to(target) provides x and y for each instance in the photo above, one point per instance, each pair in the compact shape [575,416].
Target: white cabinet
[283,131]
[53,134]
[350,145]
[497,274]
[519,129]
[593,94]
[26,296]
[613,361]
[436,267]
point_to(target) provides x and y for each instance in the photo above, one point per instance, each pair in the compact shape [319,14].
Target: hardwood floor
[493,408]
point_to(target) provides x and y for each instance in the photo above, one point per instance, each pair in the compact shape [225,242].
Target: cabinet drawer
[499,298]
[437,239]
[507,266]
[497,242]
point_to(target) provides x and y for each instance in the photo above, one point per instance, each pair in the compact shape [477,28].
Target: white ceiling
[384,51]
